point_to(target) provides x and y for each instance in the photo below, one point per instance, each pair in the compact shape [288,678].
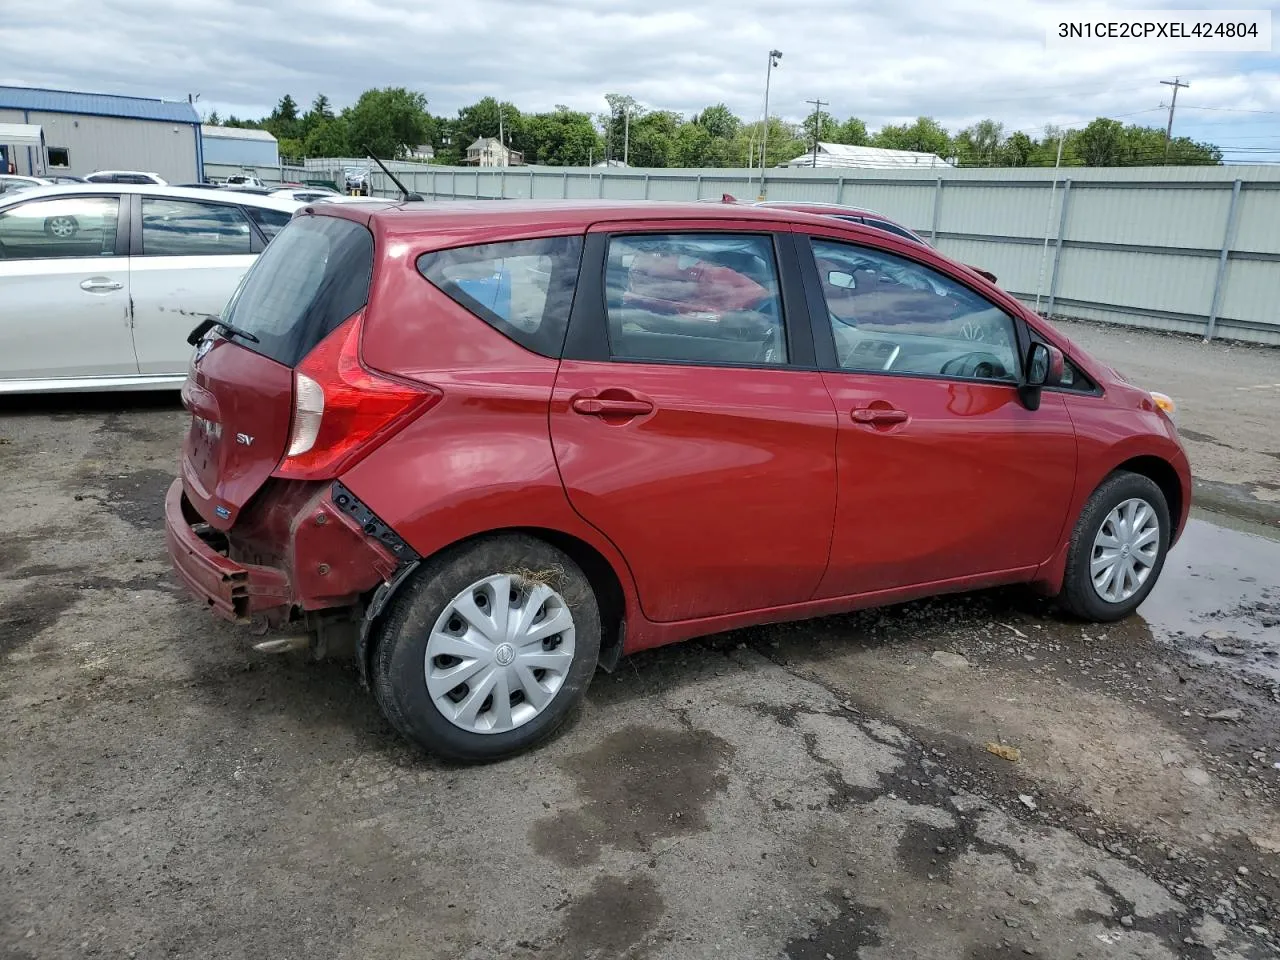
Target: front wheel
[488,648]
[1117,549]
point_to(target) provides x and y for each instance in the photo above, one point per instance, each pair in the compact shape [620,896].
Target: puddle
[1225,583]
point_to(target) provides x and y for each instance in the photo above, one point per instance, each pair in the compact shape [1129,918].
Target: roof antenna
[394,179]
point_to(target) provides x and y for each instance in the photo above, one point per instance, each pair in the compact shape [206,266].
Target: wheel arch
[1162,473]
[600,573]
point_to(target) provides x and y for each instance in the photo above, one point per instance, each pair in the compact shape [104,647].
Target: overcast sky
[882,60]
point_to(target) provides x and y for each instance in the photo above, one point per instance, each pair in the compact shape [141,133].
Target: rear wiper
[208,323]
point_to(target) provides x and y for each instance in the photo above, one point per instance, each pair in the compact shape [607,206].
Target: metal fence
[1189,249]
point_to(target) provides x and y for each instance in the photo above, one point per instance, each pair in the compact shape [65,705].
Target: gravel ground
[820,790]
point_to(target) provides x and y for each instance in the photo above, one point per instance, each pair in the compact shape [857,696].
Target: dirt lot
[820,791]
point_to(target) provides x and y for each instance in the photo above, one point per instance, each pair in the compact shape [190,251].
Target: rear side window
[271,221]
[523,288]
[695,298]
[311,277]
[187,228]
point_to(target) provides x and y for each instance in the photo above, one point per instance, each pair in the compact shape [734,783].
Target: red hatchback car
[498,445]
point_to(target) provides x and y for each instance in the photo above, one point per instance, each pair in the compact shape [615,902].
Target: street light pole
[626,135]
[774,57]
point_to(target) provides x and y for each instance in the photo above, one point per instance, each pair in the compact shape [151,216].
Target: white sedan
[101,283]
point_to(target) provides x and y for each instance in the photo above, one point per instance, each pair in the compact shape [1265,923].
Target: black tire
[61,227]
[1078,595]
[399,659]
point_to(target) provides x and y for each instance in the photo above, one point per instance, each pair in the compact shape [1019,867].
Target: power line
[1230,109]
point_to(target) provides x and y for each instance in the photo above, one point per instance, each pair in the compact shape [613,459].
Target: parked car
[125,176]
[495,446]
[62,178]
[244,180]
[304,194]
[101,283]
[12,183]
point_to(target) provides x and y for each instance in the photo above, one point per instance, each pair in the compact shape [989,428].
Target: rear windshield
[313,275]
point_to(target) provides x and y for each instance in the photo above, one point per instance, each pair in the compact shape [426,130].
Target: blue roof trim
[96,104]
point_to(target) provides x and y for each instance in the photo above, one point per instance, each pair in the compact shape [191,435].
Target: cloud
[882,60]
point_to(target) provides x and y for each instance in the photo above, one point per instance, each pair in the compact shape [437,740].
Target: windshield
[313,275]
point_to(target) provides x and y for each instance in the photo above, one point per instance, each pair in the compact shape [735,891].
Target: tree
[820,126]
[719,122]
[926,135]
[1102,143]
[691,147]
[320,111]
[979,145]
[283,121]
[329,138]
[653,138]
[481,119]
[213,119]
[389,122]
[562,138]
[852,131]
[1016,151]
[624,111]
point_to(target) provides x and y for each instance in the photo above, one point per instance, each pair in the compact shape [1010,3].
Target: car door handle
[601,407]
[879,415]
[100,285]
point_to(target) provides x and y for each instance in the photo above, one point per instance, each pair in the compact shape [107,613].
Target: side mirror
[842,280]
[1044,368]
[1044,365]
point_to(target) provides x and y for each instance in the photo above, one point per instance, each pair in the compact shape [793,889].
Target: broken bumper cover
[232,590]
[327,560]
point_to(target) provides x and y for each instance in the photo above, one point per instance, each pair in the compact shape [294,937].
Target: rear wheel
[1117,548]
[486,651]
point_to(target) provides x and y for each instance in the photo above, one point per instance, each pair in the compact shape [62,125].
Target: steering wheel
[978,364]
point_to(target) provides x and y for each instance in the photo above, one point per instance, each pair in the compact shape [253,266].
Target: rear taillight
[342,411]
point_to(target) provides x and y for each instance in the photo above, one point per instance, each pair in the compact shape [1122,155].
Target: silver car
[101,283]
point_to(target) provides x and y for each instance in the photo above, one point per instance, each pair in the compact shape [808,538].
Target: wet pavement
[1219,596]
[962,778]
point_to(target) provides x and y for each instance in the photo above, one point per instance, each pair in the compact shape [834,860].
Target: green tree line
[393,121]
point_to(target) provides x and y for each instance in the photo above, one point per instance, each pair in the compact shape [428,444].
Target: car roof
[154,190]
[143,173]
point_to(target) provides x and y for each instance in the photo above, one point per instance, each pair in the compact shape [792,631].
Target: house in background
[240,146]
[423,151]
[876,158]
[491,152]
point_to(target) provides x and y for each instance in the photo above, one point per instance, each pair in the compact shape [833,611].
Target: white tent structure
[847,155]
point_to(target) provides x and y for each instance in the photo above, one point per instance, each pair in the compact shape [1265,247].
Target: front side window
[523,288]
[188,228]
[60,228]
[893,315]
[695,298]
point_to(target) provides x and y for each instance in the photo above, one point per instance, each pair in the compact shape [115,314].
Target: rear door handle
[879,415]
[597,407]
[100,285]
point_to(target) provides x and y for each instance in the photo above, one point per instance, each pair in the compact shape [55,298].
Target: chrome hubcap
[61,227]
[1125,550]
[499,653]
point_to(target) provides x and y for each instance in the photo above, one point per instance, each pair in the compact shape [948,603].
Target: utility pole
[774,57]
[1176,82]
[501,141]
[817,124]
[626,135]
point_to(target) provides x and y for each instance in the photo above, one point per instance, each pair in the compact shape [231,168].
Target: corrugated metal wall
[115,143]
[240,152]
[1192,249]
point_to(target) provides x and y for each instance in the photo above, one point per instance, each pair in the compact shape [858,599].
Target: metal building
[871,158]
[84,132]
[239,146]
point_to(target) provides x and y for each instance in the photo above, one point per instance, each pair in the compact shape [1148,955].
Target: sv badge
[244,439]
